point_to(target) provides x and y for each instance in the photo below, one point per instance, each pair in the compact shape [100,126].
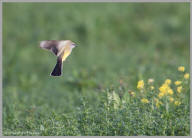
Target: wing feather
[51,45]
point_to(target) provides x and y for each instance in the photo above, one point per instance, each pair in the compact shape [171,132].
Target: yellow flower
[171,99]
[140,84]
[179,89]
[144,100]
[178,82]
[161,95]
[132,93]
[186,76]
[163,88]
[150,81]
[152,88]
[168,81]
[170,91]
[181,68]
[177,103]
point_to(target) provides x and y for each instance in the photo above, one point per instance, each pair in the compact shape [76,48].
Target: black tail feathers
[58,68]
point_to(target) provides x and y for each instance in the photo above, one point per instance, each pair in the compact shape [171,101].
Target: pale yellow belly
[67,52]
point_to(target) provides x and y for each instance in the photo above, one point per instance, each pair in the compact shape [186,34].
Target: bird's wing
[50,45]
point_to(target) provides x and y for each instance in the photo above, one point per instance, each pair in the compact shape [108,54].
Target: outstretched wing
[51,45]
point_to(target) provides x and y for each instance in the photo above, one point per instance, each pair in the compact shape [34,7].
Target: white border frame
[2,1]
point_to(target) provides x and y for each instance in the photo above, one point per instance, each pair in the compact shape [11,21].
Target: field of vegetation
[129,75]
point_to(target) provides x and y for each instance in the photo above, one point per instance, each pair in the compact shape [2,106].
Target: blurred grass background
[117,41]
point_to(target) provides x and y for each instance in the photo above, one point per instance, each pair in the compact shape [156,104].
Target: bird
[62,49]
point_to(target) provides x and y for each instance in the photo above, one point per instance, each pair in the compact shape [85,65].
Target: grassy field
[119,81]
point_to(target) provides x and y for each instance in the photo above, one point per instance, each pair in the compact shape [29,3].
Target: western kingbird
[62,49]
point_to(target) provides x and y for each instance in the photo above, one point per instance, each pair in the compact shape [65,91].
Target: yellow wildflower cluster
[140,84]
[144,100]
[165,89]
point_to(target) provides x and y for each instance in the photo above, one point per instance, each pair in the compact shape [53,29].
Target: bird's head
[70,43]
[73,45]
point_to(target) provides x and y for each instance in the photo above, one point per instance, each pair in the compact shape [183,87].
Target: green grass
[119,44]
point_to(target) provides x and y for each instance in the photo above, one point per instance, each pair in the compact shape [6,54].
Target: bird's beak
[74,45]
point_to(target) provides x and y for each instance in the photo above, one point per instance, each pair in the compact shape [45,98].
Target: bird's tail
[58,68]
